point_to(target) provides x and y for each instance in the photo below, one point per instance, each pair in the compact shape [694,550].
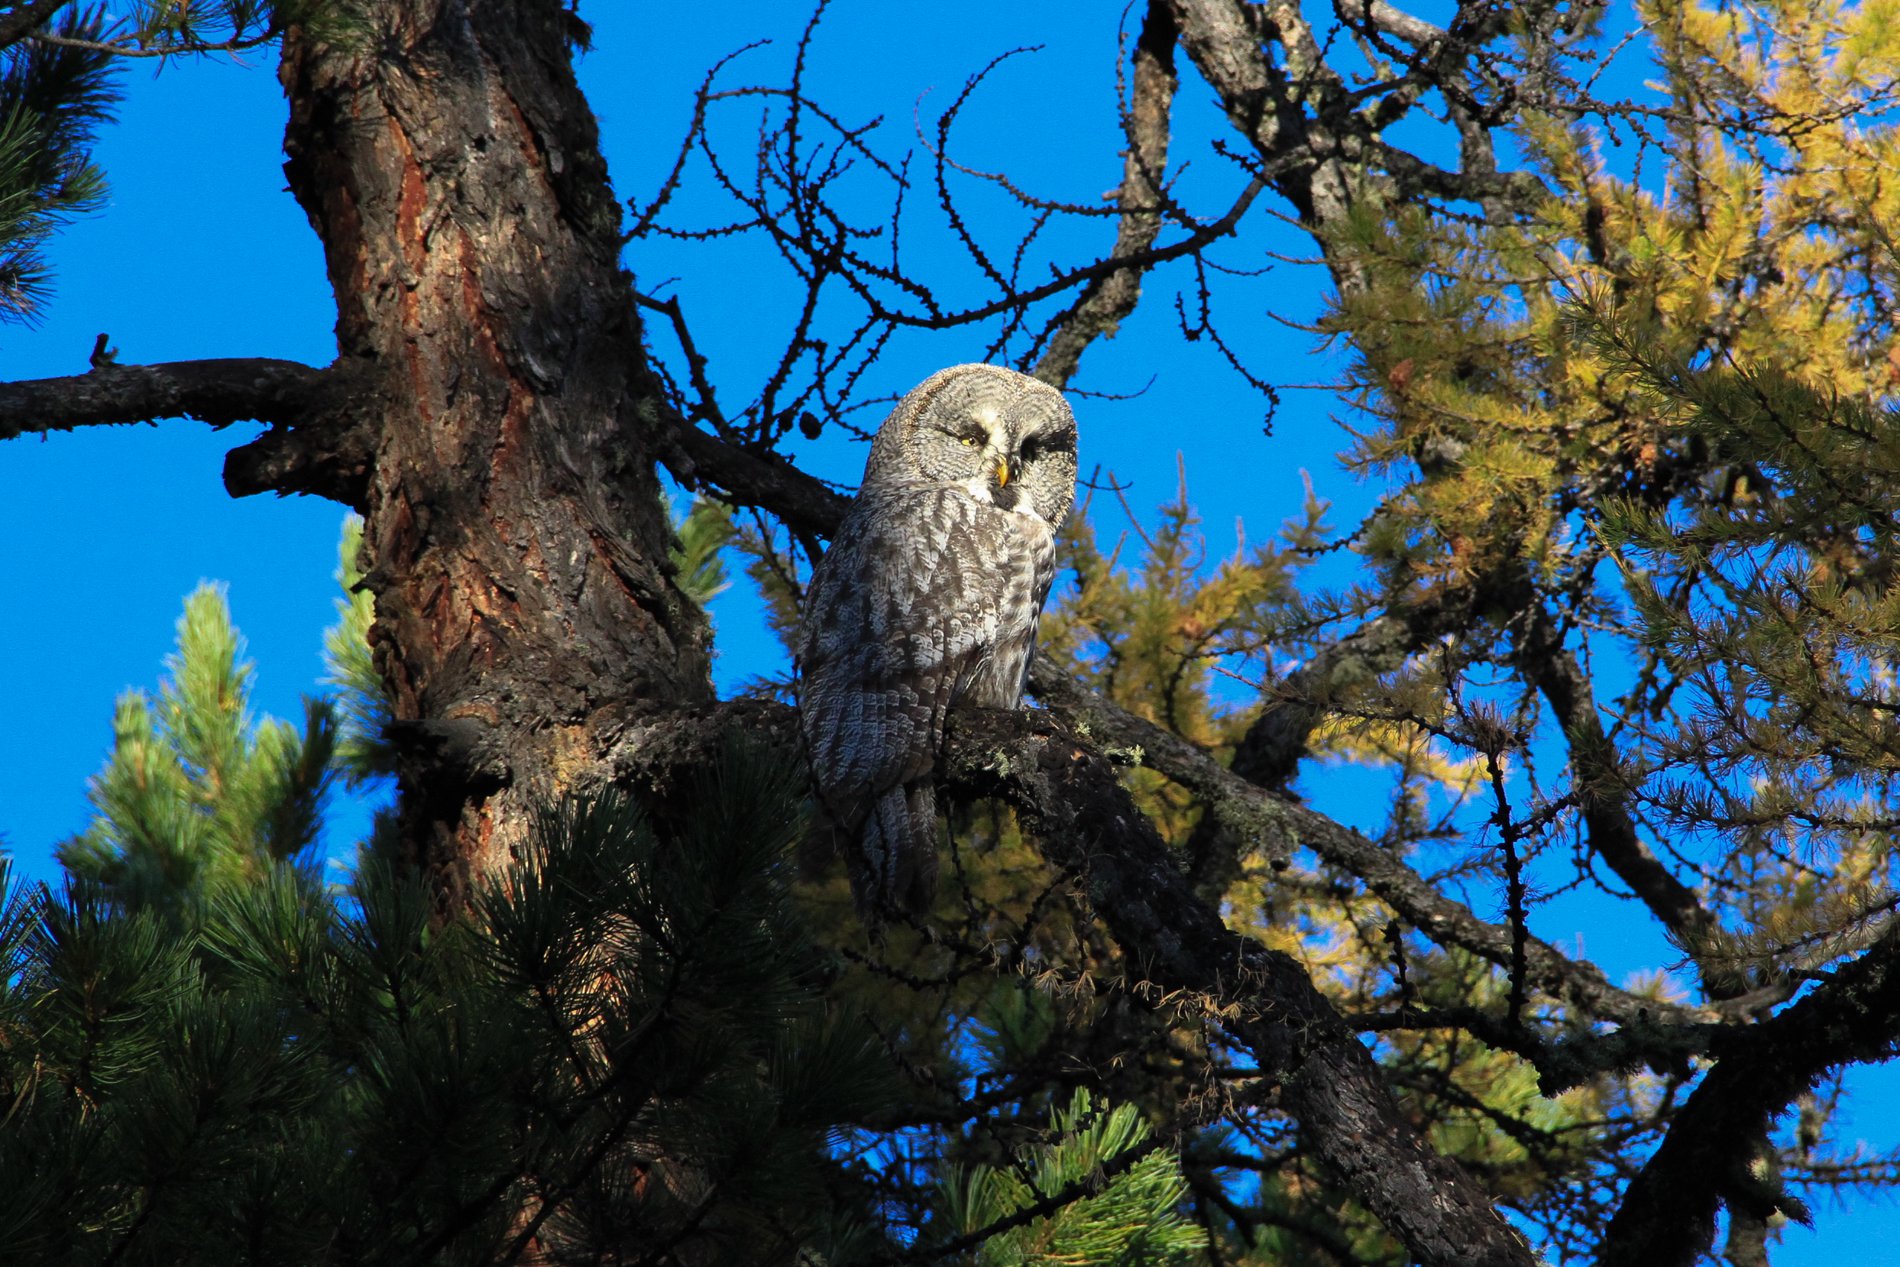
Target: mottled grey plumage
[929,595]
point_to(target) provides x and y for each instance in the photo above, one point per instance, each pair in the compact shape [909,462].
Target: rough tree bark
[515,538]
[493,416]
[515,534]
[1177,952]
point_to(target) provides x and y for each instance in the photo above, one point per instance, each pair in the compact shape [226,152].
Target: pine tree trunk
[516,540]
[515,537]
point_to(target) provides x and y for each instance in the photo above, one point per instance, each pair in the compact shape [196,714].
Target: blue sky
[201,253]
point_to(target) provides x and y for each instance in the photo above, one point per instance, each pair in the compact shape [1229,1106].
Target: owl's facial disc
[1005,438]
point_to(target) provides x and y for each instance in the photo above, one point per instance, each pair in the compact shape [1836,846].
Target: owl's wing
[903,612]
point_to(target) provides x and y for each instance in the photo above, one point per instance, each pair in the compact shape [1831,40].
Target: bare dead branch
[314,445]
[219,392]
[1106,301]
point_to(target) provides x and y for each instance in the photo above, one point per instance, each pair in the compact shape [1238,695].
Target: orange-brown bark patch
[412,200]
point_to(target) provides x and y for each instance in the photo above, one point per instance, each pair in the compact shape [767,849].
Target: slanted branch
[1086,825]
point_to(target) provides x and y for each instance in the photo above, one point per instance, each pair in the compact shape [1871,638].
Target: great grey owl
[929,595]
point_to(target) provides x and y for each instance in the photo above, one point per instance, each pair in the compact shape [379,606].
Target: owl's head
[1009,437]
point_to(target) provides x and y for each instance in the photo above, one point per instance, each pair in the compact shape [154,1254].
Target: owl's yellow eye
[972,441]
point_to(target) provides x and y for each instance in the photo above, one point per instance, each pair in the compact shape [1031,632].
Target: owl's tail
[895,871]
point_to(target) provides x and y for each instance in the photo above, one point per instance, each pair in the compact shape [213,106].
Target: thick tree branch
[1281,109]
[1391,21]
[1278,826]
[1269,754]
[1602,788]
[219,392]
[330,459]
[1071,800]
[315,445]
[1075,806]
[1310,128]
[1505,192]
[1668,1214]
[1573,1059]
[1105,301]
[747,477]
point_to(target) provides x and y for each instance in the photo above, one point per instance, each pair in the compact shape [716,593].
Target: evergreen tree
[265,1054]
[623,1054]
[1621,618]
[197,796]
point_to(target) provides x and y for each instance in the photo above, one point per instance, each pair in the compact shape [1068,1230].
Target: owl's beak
[1002,474]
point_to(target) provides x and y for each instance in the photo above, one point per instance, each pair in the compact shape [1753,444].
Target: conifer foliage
[197,796]
[623,1054]
[1100,1190]
[1620,622]
[53,99]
